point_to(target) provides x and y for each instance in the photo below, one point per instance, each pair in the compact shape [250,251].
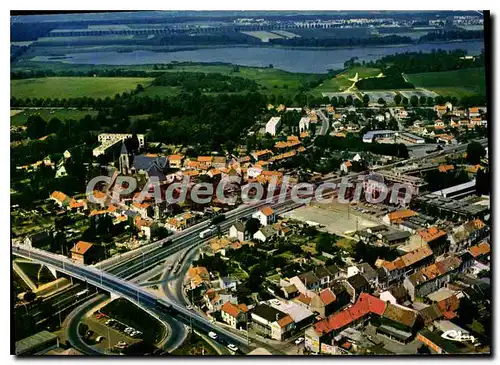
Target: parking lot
[114,335]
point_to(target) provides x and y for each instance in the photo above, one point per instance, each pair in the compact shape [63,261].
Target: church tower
[124,163]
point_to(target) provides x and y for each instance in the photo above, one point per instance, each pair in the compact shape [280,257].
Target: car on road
[99,339]
[299,340]
[232,347]
[189,306]
[212,335]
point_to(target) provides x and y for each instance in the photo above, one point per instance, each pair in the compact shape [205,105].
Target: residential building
[238,231]
[431,278]
[436,238]
[272,323]
[265,233]
[400,323]
[85,253]
[234,315]
[198,276]
[273,125]
[175,161]
[266,216]
[323,331]
[355,285]
[304,124]
[397,217]
[324,302]
[467,234]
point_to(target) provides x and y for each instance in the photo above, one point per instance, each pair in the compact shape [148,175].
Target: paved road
[325,123]
[128,290]
[71,324]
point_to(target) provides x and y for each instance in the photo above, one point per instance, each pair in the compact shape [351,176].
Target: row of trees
[355,144]
[416,62]
[97,72]
[341,42]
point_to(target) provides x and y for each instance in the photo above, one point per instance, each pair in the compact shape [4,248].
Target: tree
[366,99]
[54,125]
[397,99]
[414,100]
[475,152]
[252,225]
[381,101]
[36,127]
[405,101]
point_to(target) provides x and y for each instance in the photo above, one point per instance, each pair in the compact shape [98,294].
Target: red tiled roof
[81,247]
[327,296]
[431,234]
[481,249]
[285,321]
[231,309]
[366,304]
[57,195]
[267,211]
[401,214]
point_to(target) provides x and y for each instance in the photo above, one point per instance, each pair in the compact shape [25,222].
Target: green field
[48,114]
[457,83]
[74,87]
[342,81]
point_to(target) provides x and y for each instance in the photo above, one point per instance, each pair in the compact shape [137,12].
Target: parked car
[299,340]
[99,339]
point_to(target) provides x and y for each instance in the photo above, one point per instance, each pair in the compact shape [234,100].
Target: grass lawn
[346,244]
[48,114]
[341,81]
[74,87]
[457,83]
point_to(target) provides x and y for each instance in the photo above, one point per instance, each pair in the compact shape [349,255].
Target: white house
[238,231]
[264,233]
[265,216]
[273,125]
[304,124]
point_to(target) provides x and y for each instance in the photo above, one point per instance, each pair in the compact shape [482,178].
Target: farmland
[457,83]
[74,87]
[21,116]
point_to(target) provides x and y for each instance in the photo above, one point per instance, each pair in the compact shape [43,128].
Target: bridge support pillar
[52,270]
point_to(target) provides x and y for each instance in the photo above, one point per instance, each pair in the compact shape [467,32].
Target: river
[293,60]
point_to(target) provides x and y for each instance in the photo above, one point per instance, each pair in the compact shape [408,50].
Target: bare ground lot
[333,216]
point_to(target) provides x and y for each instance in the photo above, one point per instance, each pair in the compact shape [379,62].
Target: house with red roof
[85,252]
[234,315]
[266,216]
[432,277]
[324,302]
[325,330]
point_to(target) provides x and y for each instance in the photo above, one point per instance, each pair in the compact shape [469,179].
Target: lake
[293,60]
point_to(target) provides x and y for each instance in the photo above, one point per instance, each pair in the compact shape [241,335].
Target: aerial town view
[239,183]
